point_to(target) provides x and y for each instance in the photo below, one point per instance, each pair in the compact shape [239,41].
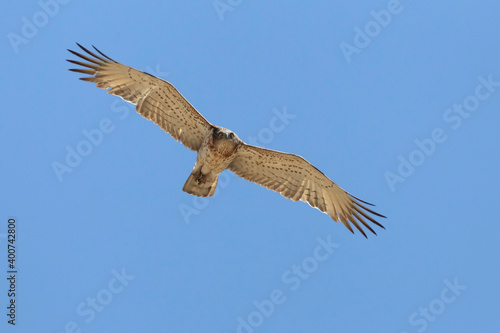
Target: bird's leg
[201,178]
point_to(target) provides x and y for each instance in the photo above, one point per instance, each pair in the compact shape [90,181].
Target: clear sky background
[397,102]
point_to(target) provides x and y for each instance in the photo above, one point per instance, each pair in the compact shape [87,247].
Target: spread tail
[201,185]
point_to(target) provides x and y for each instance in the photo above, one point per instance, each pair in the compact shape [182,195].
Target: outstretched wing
[155,99]
[297,179]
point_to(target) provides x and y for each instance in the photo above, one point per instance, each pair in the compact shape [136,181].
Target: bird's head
[225,140]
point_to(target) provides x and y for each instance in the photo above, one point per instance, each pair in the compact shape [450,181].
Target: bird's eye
[231,135]
[220,135]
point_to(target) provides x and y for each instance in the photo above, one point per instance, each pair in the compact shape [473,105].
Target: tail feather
[201,185]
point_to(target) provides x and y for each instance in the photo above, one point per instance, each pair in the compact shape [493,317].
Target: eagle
[218,148]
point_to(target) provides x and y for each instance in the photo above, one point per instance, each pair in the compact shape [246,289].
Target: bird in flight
[219,148]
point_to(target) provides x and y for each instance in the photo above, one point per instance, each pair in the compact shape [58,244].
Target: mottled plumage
[218,148]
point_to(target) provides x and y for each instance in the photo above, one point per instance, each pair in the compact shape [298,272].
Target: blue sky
[397,102]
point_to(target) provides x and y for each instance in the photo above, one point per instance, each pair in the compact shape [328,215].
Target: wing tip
[95,48]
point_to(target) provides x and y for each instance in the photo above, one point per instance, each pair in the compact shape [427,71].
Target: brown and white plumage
[297,179]
[218,148]
[156,99]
